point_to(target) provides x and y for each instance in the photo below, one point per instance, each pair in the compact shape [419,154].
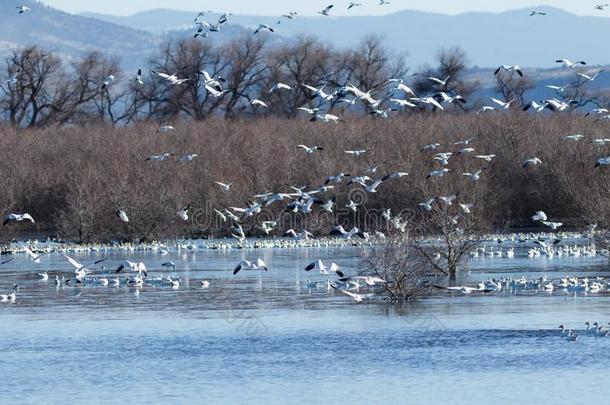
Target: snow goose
[604,161]
[280,86]
[225,187]
[183,213]
[569,64]
[438,173]
[427,205]
[310,150]
[504,104]
[539,216]
[509,68]
[326,10]
[251,265]
[263,27]
[475,176]
[122,215]
[12,217]
[531,162]
[23,9]
[589,77]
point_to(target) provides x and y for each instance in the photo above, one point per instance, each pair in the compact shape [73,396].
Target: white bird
[574,138]
[553,225]
[355,296]
[326,11]
[258,103]
[323,269]
[188,158]
[225,187]
[569,64]
[487,158]
[467,208]
[252,265]
[427,205]
[184,213]
[531,162]
[356,153]
[539,216]
[310,150]
[17,218]
[504,104]
[280,86]
[475,176]
[438,173]
[509,68]
[588,77]
[353,4]
[138,267]
[159,158]
[22,9]
[165,129]
[442,83]
[340,231]
[352,206]
[35,257]
[171,79]
[604,161]
[485,108]
[263,27]
[122,215]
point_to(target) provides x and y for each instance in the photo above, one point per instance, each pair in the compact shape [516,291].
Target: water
[266,338]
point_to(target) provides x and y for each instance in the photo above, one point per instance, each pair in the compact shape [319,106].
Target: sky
[310,7]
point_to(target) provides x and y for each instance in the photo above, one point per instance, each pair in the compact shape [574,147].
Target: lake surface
[266,338]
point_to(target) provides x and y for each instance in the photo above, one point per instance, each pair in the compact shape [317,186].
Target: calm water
[266,338]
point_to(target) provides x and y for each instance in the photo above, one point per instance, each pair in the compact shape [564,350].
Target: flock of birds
[398,97]
[370,180]
[594,329]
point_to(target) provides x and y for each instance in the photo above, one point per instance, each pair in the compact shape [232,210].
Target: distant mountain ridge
[70,35]
[488,38]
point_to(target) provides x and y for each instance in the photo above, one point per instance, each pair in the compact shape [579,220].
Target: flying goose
[340,231]
[532,162]
[22,9]
[166,129]
[280,86]
[171,79]
[539,216]
[569,64]
[183,213]
[355,296]
[12,217]
[263,27]
[588,77]
[122,215]
[353,4]
[334,268]
[159,158]
[440,82]
[226,187]
[553,225]
[326,11]
[427,205]
[438,173]
[475,176]
[356,153]
[504,104]
[310,150]
[509,68]
[251,265]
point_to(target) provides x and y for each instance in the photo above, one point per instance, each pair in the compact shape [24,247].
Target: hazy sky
[307,7]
